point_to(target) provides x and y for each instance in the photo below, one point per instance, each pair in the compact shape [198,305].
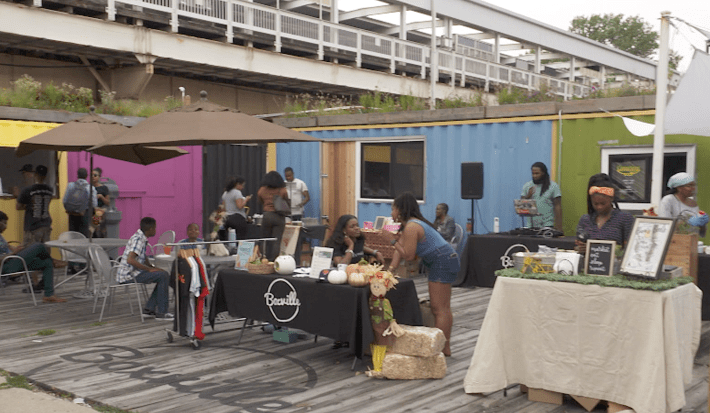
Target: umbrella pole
[91,198]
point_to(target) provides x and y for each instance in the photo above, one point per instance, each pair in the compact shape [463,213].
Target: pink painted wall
[169,191]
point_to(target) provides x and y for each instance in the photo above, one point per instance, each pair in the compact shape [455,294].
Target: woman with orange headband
[603,221]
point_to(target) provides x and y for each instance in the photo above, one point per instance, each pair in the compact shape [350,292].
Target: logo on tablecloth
[282,300]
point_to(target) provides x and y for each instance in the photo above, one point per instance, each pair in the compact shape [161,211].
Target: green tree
[631,34]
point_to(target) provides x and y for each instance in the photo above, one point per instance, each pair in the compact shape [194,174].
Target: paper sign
[600,257]
[321,260]
[290,239]
[244,251]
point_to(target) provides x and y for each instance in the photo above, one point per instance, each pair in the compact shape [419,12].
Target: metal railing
[469,58]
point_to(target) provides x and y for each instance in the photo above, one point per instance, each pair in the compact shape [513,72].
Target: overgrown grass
[47,332]
[31,94]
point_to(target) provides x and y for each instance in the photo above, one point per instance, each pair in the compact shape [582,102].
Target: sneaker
[148,313]
[164,317]
[53,299]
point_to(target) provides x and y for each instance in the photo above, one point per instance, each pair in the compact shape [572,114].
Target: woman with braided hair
[604,221]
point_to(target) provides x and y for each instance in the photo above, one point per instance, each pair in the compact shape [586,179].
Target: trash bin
[112,217]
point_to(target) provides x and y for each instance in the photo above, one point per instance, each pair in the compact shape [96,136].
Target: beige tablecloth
[631,347]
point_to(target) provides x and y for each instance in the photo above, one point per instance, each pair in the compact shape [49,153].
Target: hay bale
[419,341]
[401,367]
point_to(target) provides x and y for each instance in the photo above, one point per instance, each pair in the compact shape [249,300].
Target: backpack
[76,200]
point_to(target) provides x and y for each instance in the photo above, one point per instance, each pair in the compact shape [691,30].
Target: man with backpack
[79,201]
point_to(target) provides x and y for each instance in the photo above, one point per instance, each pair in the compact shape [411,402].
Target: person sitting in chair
[444,224]
[36,257]
[135,266]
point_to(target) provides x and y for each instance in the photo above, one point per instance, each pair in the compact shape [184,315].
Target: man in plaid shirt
[135,265]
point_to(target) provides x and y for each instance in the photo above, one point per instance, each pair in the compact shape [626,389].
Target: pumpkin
[357,279]
[337,277]
[355,267]
[285,264]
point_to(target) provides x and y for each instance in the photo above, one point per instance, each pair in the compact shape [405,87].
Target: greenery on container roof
[618,281]
[31,94]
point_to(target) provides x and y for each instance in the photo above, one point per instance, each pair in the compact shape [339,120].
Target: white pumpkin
[357,279]
[337,277]
[285,265]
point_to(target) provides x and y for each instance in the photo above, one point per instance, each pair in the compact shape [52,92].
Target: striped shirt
[617,228]
[137,244]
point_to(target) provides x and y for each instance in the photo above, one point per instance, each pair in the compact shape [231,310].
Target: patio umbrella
[91,130]
[202,123]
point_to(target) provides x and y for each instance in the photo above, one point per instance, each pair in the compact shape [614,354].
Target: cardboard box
[587,402]
[616,407]
[683,252]
[523,388]
[545,396]
[285,336]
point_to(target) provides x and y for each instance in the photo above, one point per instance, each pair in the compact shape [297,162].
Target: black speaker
[472,180]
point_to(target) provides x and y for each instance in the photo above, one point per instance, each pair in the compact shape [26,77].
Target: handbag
[218,250]
[281,206]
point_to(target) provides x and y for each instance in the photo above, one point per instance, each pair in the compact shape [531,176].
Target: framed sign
[600,257]
[380,222]
[647,247]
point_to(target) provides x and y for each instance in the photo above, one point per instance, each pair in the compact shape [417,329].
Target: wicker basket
[261,268]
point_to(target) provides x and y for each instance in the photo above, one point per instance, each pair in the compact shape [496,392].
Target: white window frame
[607,151]
[388,139]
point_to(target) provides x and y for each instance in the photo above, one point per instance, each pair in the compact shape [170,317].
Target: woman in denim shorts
[418,237]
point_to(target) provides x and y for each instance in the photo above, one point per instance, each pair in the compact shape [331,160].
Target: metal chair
[107,271]
[71,257]
[166,237]
[24,271]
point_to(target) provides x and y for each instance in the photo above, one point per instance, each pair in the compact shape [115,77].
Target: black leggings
[273,225]
[239,223]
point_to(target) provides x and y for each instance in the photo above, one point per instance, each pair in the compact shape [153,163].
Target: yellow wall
[11,134]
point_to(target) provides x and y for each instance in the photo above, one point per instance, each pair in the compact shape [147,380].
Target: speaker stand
[473,217]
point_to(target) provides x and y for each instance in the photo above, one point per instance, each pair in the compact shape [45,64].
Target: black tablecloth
[704,283]
[339,312]
[481,257]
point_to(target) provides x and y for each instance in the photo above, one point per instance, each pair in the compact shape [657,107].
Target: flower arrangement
[217,218]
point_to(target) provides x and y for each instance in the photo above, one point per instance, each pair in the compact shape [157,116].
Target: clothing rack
[185,254]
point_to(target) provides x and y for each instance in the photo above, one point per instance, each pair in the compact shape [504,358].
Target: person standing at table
[36,257]
[79,205]
[273,223]
[444,224]
[680,202]
[297,193]
[134,265]
[604,221]
[348,243]
[234,205]
[103,201]
[418,237]
[35,201]
[547,196]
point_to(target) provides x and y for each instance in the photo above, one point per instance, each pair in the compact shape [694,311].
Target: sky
[559,13]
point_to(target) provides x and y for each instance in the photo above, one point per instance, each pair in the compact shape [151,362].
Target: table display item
[337,277]
[285,335]
[647,247]
[244,252]
[600,257]
[285,264]
[321,260]
[384,325]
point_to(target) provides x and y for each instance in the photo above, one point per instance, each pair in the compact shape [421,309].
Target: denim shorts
[444,265]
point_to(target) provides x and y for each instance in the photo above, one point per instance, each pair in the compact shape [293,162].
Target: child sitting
[193,235]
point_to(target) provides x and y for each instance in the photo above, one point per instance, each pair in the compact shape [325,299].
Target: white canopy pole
[434,60]
[661,91]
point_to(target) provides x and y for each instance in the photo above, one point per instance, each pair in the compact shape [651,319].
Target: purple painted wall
[169,191]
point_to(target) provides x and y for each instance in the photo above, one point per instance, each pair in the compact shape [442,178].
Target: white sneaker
[165,317]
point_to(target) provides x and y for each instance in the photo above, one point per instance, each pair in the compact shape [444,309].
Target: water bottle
[496,225]
[232,236]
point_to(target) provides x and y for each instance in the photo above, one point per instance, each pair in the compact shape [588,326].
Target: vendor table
[481,257]
[339,312]
[631,347]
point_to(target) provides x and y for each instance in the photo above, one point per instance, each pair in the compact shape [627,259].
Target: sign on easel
[244,251]
[600,257]
[289,239]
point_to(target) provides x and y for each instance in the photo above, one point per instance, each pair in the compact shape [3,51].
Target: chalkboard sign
[600,257]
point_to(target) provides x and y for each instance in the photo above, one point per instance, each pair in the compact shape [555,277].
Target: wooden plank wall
[339,163]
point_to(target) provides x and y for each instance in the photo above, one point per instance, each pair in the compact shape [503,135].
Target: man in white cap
[680,202]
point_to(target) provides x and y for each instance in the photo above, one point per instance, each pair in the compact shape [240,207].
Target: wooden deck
[130,365]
